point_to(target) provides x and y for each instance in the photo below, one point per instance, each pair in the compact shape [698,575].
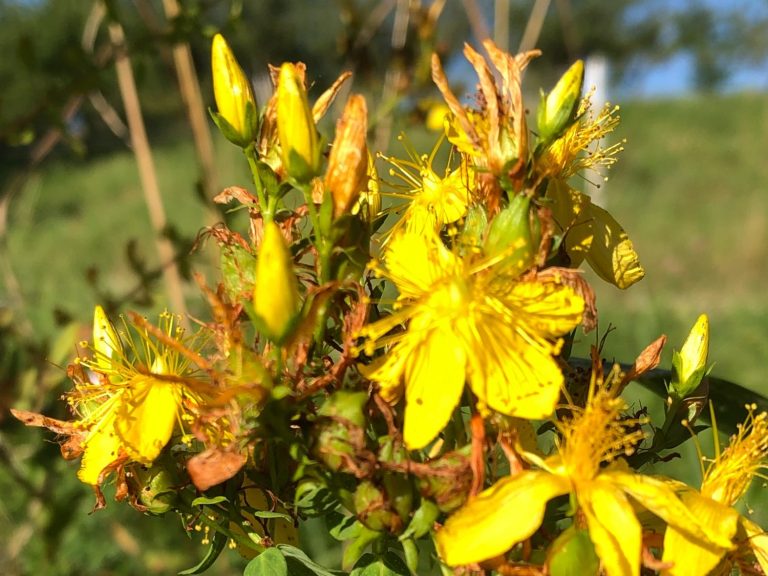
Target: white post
[596,76]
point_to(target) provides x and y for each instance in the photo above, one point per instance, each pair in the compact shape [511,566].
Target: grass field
[691,189]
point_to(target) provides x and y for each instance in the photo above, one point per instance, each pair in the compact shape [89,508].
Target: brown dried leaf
[326,98]
[40,421]
[647,360]
[213,467]
[236,193]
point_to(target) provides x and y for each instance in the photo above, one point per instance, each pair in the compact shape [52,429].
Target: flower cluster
[393,354]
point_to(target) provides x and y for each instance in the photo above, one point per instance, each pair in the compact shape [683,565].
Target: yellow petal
[659,496]
[693,556]
[546,309]
[758,542]
[612,255]
[434,381]
[570,209]
[592,233]
[503,515]
[613,528]
[417,261]
[102,447]
[520,381]
[145,422]
[105,339]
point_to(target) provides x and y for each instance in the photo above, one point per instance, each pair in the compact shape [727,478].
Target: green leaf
[355,550]
[268,514]
[347,528]
[299,564]
[218,541]
[205,501]
[389,565]
[271,562]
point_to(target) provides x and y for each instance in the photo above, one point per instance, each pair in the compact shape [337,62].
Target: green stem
[266,207]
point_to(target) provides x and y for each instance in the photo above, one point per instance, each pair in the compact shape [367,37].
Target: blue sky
[675,76]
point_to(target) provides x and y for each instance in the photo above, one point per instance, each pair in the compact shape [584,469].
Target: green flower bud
[512,236]
[557,110]
[572,554]
[157,489]
[373,509]
[449,486]
[339,429]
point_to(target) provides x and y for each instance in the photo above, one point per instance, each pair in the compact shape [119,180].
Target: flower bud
[348,163]
[512,235]
[572,553]
[338,433]
[557,109]
[690,363]
[373,508]
[158,488]
[299,142]
[276,294]
[237,108]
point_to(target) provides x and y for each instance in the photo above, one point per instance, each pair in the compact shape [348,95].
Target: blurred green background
[691,189]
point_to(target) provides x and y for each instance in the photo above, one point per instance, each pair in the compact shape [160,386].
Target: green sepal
[227,130]
[422,521]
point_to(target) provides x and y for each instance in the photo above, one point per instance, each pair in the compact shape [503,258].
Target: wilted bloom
[299,141]
[431,201]
[232,90]
[592,234]
[276,293]
[495,136]
[690,362]
[467,320]
[347,173]
[558,109]
[588,466]
[133,393]
[726,479]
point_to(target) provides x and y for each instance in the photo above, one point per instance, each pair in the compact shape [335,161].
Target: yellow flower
[431,201]
[725,482]
[137,389]
[467,321]
[587,466]
[570,153]
[592,234]
[233,93]
[299,141]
